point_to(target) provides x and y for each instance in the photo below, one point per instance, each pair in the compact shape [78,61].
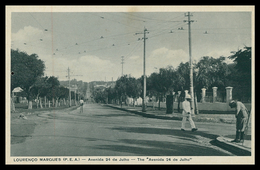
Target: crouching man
[242,118]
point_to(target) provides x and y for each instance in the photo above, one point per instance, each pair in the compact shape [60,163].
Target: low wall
[203,106]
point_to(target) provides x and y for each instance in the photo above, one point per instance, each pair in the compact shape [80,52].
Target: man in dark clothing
[242,118]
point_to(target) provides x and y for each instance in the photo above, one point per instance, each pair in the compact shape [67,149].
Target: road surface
[104,131]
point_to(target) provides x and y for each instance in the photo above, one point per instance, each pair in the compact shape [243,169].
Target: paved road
[104,131]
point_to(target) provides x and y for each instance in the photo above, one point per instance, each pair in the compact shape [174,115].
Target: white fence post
[214,94]
[203,95]
[228,94]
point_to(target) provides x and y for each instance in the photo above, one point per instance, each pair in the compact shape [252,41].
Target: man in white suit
[186,113]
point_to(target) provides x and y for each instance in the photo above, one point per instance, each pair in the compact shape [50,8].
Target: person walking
[242,118]
[81,105]
[186,113]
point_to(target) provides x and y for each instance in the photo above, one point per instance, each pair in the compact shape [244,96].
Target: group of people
[241,114]
[242,117]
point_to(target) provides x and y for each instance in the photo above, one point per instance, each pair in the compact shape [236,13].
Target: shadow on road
[163,148]
[113,115]
[162,131]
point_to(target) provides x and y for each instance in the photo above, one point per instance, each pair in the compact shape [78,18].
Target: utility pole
[69,86]
[144,87]
[75,94]
[191,66]
[143,104]
[122,62]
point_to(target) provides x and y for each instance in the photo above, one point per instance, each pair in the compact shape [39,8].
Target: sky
[92,44]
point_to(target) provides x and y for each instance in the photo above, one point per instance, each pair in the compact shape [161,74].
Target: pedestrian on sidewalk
[242,118]
[81,105]
[186,113]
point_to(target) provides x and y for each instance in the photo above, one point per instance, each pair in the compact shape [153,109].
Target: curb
[231,147]
[48,111]
[174,116]
[144,114]
[219,141]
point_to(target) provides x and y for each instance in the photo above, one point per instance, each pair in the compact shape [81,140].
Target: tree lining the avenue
[208,72]
[28,74]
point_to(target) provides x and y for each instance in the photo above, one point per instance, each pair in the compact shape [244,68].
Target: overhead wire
[131,18]
[155,30]
[37,21]
[95,39]
[154,19]
[158,26]
[113,20]
[100,49]
[167,29]
[133,50]
[111,46]
[112,36]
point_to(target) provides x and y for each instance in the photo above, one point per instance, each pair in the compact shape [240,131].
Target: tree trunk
[12,105]
[53,102]
[196,104]
[29,98]
[179,102]
[180,99]
[153,102]
[159,107]
[56,103]
[121,101]
[75,99]
[37,102]
[29,104]
[49,102]
[45,101]
[40,102]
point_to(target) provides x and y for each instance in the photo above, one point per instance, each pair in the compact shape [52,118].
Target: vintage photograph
[141,85]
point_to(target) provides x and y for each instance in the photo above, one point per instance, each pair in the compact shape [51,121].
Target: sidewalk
[206,116]
[240,149]
[23,127]
[243,149]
